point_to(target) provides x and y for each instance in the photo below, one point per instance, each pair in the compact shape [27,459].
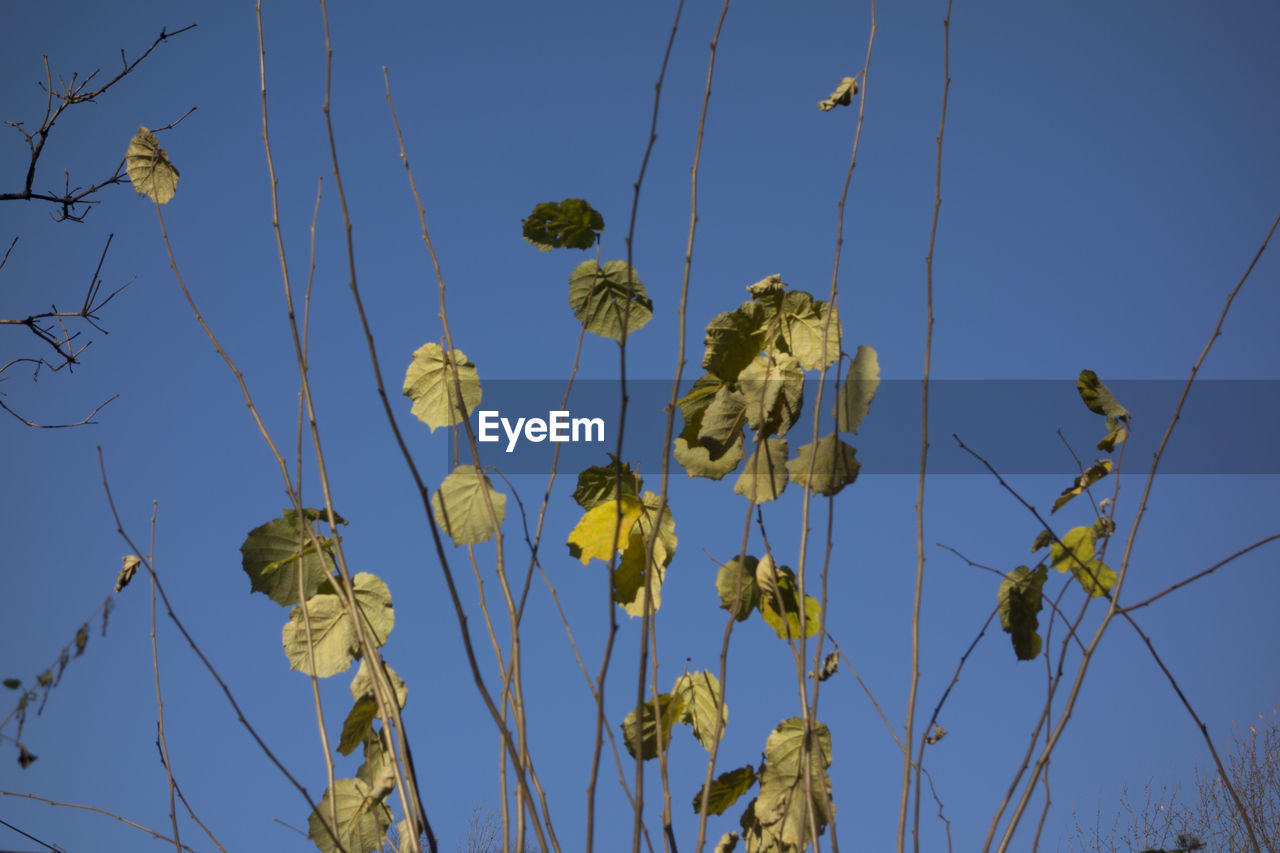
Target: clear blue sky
[1109,171]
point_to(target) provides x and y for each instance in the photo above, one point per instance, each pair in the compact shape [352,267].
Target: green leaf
[698,461]
[358,724]
[699,693]
[362,684]
[736,584]
[725,790]
[569,224]
[779,808]
[13,683]
[834,466]
[149,168]
[1098,397]
[601,526]
[599,483]
[1043,540]
[1091,475]
[1076,553]
[853,400]
[695,402]
[765,475]
[82,639]
[715,457]
[333,635]
[723,420]
[1101,401]
[599,296]
[430,383]
[842,96]
[805,321]
[773,388]
[785,582]
[629,577]
[362,820]
[270,557]
[665,546]
[460,507]
[376,766]
[647,737]
[1020,599]
[734,339]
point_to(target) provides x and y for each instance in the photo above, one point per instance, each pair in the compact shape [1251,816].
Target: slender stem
[908,736]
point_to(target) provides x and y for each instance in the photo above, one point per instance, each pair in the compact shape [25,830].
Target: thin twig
[148,830]
[924,458]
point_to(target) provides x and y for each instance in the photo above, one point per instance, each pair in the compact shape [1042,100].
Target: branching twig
[68,94]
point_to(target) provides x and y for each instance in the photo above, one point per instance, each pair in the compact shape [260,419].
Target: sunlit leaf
[853,400]
[646,737]
[1101,401]
[362,820]
[599,483]
[430,383]
[599,296]
[270,557]
[665,545]
[82,639]
[842,96]
[629,578]
[601,527]
[787,592]
[698,462]
[1019,601]
[358,724]
[460,508]
[723,420]
[779,807]
[733,340]
[149,168]
[833,464]
[766,285]
[362,684]
[773,388]
[376,766]
[1076,552]
[569,224]
[725,790]
[727,843]
[805,322]
[699,694]
[765,474]
[1091,475]
[1098,397]
[127,570]
[334,643]
[736,585]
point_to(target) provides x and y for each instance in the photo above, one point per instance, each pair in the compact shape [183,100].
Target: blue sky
[1109,172]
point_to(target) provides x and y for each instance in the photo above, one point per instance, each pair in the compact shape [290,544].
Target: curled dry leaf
[842,96]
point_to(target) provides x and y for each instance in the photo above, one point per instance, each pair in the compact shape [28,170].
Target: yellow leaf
[600,528]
